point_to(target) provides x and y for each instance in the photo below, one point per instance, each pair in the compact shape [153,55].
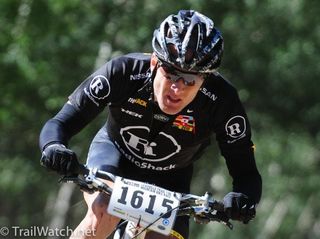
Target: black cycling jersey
[155,141]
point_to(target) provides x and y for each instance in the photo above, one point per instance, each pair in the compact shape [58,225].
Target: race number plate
[144,203]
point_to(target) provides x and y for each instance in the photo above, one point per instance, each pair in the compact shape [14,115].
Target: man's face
[171,89]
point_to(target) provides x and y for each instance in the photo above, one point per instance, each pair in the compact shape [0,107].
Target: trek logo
[99,87]
[135,140]
[236,128]
[129,112]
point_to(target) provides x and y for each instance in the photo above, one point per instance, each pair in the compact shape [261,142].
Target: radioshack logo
[99,87]
[185,122]
[236,128]
[135,140]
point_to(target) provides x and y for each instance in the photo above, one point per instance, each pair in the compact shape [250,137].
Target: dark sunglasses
[173,74]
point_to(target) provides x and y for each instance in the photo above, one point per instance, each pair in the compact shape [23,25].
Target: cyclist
[162,110]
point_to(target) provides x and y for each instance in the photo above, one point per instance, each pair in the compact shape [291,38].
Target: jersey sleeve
[110,84]
[233,133]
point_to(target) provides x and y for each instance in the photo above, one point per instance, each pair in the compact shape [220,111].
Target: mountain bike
[142,206]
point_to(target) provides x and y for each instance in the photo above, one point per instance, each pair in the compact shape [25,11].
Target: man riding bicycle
[162,110]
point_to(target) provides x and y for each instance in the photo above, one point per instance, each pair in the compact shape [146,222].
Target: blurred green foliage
[47,47]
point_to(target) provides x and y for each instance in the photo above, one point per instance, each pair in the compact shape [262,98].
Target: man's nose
[178,85]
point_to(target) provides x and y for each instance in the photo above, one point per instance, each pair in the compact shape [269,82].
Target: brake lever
[84,184]
[220,217]
[69,179]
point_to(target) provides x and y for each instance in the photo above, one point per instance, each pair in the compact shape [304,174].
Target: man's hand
[60,159]
[239,207]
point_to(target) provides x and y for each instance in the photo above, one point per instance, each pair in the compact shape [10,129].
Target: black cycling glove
[60,159]
[239,207]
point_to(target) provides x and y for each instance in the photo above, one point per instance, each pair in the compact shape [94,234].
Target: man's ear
[153,61]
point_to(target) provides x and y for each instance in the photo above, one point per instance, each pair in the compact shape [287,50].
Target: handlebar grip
[217,205]
[185,211]
[83,170]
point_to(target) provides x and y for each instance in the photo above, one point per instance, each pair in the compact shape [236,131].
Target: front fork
[133,229]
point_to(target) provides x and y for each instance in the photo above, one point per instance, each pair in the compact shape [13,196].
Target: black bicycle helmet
[189,41]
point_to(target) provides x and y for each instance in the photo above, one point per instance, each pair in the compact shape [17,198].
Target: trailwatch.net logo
[41,232]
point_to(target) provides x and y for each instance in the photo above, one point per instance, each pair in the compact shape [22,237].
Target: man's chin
[169,110]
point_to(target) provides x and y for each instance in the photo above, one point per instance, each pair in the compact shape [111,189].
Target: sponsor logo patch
[136,141]
[139,76]
[138,101]
[185,122]
[129,112]
[99,87]
[209,94]
[161,117]
[144,165]
[236,128]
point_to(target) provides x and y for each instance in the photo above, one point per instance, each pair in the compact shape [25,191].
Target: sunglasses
[173,74]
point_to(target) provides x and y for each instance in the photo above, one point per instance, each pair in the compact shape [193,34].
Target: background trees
[271,54]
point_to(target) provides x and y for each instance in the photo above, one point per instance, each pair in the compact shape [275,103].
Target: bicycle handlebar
[84,171]
[192,205]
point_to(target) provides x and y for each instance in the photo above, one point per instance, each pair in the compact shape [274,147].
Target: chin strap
[150,83]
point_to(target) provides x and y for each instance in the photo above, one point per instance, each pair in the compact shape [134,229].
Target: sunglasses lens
[188,79]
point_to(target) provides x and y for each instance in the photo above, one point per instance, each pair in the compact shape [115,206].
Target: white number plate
[144,203]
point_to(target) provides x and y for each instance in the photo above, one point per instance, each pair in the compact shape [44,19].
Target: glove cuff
[53,144]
